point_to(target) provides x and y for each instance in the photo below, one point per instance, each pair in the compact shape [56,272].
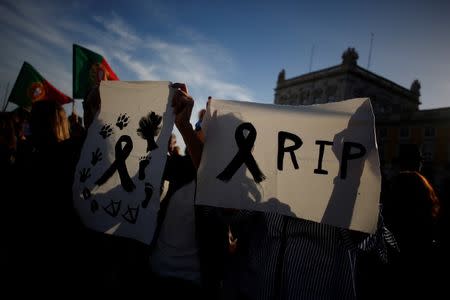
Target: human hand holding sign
[182,104]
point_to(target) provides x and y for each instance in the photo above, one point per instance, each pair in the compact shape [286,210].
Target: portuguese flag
[30,87]
[89,68]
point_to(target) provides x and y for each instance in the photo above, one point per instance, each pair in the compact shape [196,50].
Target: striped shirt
[282,257]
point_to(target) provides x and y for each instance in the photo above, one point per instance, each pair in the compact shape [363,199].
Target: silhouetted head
[49,123]
[410,158]
[7,131]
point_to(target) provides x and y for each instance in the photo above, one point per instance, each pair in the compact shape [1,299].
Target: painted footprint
[122,121]
[144,161]
[106,131]
[148,194]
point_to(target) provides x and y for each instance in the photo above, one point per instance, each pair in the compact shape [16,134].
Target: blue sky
[229,49]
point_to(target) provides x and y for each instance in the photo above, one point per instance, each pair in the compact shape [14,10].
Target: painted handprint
[149,128]
[106,131]
[122,121]
[85,173]
[96,157]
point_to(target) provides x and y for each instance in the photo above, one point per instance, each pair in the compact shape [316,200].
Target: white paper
[110,208]
[350,202]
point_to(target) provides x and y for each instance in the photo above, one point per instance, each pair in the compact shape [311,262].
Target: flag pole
[6,100]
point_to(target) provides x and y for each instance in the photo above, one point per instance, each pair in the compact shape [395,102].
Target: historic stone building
[398,118]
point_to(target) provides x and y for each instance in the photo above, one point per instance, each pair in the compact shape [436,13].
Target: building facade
[398,117]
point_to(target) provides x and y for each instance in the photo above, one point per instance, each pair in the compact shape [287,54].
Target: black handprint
[106,131]
[148,194]
[122,121]
[85,173]
[149,127]
[143,163]
[96,157]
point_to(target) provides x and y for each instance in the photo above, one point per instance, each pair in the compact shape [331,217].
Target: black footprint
[85,173]
[148,194]
[113,208]
[94,206]
[106,131]
[86,193]
[143,163]
[131,214]
[122,121]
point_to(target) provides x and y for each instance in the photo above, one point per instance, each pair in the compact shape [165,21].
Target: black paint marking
[322,144]
[85,173]
[96,157]
[119,164]
[122,121]
[106,131]
[149,128]
[113,208]
[86,193]
[244,155]
[148,194]
[144,161]
[131,214]
[282,137]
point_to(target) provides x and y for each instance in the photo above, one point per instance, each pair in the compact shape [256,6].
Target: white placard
[317,162]
[118,177]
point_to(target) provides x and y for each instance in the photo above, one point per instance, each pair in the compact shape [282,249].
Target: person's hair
[426,186]
[435,203]
[410,158]
[7,131]
[177,150]
[49,123]
[62,125]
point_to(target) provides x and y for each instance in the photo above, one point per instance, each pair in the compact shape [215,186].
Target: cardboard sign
[317,162]
[117,182]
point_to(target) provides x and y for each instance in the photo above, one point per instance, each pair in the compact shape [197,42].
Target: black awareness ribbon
[119,164]
[244,155]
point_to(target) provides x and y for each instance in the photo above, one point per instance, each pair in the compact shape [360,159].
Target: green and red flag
[30,87]
[89,68]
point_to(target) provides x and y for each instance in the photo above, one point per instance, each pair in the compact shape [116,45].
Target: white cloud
[34,35]
[143,71]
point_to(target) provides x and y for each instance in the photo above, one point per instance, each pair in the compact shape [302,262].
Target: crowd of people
[199,252]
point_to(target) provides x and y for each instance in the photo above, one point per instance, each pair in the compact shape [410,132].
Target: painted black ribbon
[244,155]
[119,164]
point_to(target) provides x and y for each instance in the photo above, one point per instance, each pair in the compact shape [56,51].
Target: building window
[404,132]
[428,151]
[429,132]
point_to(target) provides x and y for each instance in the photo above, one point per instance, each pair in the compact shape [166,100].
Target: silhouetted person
[411,211]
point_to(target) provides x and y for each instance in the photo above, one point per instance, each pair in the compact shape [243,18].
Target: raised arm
[182,105]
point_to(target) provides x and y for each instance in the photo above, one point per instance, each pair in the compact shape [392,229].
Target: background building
[398,117]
